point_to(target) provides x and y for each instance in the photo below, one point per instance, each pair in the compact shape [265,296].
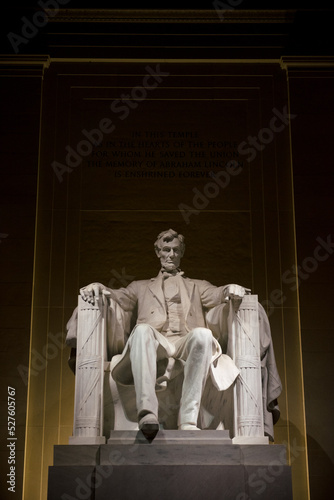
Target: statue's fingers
[237,292]
[96,290]
[240,291]
[88,291]
[236,289]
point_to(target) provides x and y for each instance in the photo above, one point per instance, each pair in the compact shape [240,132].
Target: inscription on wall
[165,154]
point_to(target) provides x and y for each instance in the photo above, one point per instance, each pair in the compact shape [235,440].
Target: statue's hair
[166,237]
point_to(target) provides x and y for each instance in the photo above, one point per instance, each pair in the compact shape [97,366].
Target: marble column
[244,349]
[91,356]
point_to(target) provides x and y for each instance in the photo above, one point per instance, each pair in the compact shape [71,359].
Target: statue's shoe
[188,427]
[149,425]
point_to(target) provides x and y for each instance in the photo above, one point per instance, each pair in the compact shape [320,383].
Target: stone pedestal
[187,465]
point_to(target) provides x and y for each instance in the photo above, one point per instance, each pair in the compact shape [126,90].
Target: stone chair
[248,409]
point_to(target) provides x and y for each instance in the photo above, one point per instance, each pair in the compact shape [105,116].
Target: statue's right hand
[91,293]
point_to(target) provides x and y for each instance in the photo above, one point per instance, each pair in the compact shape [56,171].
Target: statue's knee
[142,328]
[142,332]
[202,337]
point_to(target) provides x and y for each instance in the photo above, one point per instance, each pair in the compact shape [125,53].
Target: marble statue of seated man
[170,326]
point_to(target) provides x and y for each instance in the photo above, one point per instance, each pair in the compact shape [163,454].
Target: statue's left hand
[91,293]
[236,291]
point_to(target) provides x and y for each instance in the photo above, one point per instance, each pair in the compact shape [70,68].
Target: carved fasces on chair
[244,349]
[91,357]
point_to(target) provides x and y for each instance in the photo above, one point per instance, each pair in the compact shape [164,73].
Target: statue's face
[170,254]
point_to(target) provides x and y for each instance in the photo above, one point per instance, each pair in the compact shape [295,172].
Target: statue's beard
[170,269]
[170,266]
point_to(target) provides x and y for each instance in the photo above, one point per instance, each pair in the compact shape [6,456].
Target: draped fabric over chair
[240,395]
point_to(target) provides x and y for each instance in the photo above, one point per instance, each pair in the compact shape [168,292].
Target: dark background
[311,98]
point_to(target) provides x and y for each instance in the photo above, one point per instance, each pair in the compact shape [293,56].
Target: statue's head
[169,248]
